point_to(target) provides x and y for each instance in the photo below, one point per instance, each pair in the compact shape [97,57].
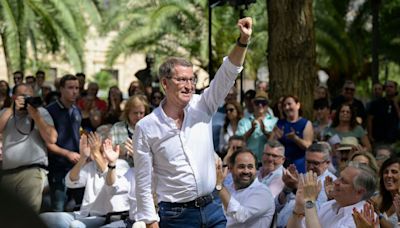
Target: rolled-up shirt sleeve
[83,175]
[143,175]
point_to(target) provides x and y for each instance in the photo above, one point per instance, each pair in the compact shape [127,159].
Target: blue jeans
[210,215]
[58,190]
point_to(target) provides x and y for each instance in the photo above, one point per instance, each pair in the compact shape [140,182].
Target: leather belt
[202,201]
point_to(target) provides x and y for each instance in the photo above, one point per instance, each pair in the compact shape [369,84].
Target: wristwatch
[218,187]
[309,204]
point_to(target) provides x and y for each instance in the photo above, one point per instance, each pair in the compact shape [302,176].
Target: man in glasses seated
[317,161]
[272,169]
[256,129]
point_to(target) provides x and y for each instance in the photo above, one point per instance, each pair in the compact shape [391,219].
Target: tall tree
[48,26]
[291,50]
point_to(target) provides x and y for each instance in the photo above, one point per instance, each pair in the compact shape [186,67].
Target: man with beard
[248,203]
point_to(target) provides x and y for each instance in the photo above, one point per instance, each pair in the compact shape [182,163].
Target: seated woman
[98,200]
[344,124]
[389,186]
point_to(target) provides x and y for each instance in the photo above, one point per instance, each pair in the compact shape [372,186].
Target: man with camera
[27,128]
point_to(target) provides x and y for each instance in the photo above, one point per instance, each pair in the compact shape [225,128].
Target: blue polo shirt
[67,122]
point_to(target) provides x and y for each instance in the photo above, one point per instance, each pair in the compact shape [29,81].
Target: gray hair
[276,144]
[366,179]
[320,147]
[167,68]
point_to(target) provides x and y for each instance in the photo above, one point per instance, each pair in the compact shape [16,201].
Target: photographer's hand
[19,102]
[47,131]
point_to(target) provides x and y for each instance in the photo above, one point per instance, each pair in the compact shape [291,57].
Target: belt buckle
[199,202]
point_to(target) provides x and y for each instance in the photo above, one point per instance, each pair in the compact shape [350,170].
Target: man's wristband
[241,44]
[111,166]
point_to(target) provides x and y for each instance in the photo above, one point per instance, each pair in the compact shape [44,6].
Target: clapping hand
[94,142]
[84,149]
[221,171]
[291,177]
[311,186]
[396,204]
[129,147]
[277,132]
[292,134]
[110,154]
[365,218]
[328,184]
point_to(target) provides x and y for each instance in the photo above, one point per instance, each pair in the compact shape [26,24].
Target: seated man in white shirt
[248,203]
[356,184]
[97,200]
[317,160]
[271,171]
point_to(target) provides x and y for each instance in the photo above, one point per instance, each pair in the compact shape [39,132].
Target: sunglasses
[260,102]
[230,110]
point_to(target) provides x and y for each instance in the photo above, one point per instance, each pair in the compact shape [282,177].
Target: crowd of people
[171,158]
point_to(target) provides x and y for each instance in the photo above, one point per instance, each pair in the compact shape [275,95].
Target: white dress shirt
[97,199]
[125,184]
[180,162]
[331,215]
[273,180]
[250,207]
[285,211]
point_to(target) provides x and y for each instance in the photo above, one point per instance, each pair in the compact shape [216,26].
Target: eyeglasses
[260,102]
[274,156]
[315,163]
[230,110]
[350,89]
[182,80]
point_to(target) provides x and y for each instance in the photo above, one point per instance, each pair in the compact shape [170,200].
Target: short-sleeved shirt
[22,142]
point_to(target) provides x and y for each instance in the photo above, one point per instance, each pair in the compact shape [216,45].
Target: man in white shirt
[317,161]
[272,169]
[356,184]
[248,203]
[173,145]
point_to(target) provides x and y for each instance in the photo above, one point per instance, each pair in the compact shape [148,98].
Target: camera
[33,101]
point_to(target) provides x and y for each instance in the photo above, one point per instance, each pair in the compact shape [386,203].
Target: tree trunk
[7,58]
[291,51]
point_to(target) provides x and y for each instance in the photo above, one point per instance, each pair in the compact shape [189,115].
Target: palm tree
[48,26]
